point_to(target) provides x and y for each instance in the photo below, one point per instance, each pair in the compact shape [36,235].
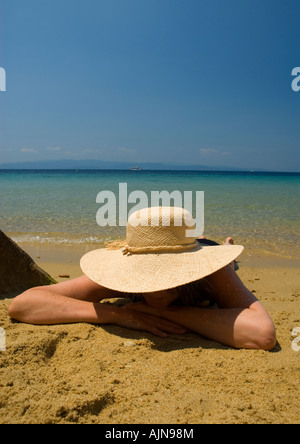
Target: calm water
[260,210]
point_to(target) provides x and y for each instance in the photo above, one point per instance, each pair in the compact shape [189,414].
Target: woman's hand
[139,316]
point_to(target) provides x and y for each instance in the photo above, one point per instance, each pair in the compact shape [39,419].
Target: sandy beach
[81,373]
[112,108]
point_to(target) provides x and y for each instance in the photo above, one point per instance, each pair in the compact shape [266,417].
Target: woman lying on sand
[175,285]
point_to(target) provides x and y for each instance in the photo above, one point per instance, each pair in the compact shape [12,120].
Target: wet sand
[81,373]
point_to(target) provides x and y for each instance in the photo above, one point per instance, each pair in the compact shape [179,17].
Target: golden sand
[81,373]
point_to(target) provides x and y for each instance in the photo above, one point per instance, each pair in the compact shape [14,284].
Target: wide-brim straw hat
[158,254]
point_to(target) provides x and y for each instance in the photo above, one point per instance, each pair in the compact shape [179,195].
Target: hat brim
[147,273]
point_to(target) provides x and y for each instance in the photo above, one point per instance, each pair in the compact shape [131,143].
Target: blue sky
[204,82]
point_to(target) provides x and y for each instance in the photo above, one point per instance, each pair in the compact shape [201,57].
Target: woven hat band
[159,249]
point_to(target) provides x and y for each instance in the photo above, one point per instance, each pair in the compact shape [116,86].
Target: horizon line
[114,165]
[157,170]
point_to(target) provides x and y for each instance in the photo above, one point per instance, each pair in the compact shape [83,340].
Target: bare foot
[234,264]
[229,240]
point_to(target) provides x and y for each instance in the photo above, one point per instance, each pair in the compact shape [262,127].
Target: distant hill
[68,164]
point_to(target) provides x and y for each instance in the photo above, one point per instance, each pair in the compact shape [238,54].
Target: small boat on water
[135,168]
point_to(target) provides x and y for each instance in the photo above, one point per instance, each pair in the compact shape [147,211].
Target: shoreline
[64,260]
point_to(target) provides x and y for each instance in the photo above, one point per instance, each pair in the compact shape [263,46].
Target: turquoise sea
[260,210]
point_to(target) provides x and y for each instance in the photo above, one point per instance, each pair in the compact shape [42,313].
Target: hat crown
[159,226]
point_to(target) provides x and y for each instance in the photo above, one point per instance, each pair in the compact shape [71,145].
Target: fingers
[138,320]
[170,327]
[142,307]
[160,327]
